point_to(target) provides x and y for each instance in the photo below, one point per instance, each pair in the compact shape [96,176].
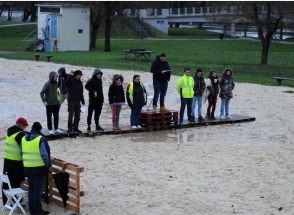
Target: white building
[64,27]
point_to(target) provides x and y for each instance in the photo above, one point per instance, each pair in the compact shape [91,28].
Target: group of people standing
[63,86]
[193,90]
[196,90]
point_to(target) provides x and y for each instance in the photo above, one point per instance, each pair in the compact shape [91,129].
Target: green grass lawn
[241,55]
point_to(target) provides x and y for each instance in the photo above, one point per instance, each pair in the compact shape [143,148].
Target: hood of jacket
[51,75]
[97,71]
[63,72]
[117,76]
[32,135]
[13,129]
[225,71]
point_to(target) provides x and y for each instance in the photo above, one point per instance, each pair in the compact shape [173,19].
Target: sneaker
[58,131]
[229,117]
[114,128]
[139,126]
[51,132]
[118,128]
[180,123]
[98,128]
[222,117]
[69,131]
[200,118]
[134,127]
[163,109]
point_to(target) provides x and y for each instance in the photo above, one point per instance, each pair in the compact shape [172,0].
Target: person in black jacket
[116,97]
[13,165]
[137,98]
[161,77]
[96,98]
[75,97]
[62,84]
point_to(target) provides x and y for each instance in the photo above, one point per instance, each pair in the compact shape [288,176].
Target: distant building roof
[61,5]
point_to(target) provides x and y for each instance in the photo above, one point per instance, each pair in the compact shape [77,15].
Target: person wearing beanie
[50,98]
[185,87]
[137,97]
[13,165]
[199,87]
[75,92]
[35,152]
[116,97]
[96,98]
[62,84]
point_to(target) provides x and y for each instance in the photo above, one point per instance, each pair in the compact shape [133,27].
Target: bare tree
[266,16]
[96,18]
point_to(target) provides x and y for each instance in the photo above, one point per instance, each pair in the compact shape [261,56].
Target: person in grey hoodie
[50,98]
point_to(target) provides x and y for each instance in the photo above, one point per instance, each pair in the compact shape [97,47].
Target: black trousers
[95,107]
[52,110]
[74,111]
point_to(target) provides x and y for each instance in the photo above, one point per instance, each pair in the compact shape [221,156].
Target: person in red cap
[13,165]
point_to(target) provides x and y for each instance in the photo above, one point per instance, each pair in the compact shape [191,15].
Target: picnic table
[137,54]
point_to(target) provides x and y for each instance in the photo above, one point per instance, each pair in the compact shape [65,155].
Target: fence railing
[146,25]
[132,24]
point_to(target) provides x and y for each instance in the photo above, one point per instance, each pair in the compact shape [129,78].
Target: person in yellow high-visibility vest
[36,161]
[185,85]
[13,165]
[136,97]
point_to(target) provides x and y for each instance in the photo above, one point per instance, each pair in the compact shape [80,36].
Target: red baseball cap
[22,121]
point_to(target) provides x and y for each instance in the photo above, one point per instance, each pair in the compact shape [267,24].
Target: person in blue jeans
[227,86]
[199,87]
[161,76]
[35,152]
[136,98]
[185,85]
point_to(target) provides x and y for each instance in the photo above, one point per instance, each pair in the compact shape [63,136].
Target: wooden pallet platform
[151,119]
[156,124]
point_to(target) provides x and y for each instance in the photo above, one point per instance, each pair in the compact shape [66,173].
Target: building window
[50,9]
[80,31]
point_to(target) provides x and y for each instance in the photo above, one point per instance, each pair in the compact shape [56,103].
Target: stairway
[137,25]
[38,45]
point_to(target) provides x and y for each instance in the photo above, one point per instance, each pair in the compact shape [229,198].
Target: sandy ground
[244,168]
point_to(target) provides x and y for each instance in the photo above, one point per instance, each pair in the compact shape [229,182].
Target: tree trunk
[33,12]
[9,13]
[245,30]
[265,48]
[281,32]
[26,14]
[93,35]
[177,25]
[200,24]
[107,27]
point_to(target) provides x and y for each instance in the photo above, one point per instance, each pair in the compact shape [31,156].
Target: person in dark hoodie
[62,85]
[137,98]
[227,86]
[116,97]
[75,98]
[50,98]
[13,165]
[35,152]
[199,87]
[161,77]
[96,98]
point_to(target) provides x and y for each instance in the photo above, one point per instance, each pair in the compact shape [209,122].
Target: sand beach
[242,168]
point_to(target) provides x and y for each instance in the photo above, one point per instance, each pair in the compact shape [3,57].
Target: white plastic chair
[14,195]
[149,95]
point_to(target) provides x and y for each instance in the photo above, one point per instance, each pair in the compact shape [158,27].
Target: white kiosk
[64,27]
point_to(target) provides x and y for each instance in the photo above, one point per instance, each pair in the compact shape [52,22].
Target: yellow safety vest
[131,90]
[12,149]
[185,86]
[58,94]
[31,152]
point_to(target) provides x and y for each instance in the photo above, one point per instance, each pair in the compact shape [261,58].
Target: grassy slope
[242,56]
